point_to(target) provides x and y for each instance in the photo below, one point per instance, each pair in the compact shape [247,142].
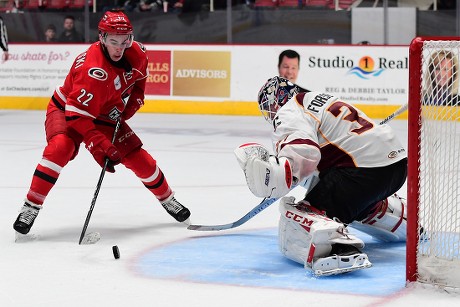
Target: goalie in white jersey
[360,163]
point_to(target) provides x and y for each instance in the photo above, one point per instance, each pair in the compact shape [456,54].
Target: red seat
[290,3]
[6,5]
[317,3]
[57,4]
[266,3]
[33,4]
[343,4]
[79,4]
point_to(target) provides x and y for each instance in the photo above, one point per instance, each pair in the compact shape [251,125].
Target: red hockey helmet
[117,23]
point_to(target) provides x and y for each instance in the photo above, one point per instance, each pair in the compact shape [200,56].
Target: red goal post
[433,183]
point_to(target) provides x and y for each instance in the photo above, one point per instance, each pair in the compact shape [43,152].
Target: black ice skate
[26,218]
[175,209]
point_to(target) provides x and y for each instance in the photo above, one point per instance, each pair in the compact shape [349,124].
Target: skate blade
[341,271]
[186,222]
[91,238]
[20,238]
[331,265]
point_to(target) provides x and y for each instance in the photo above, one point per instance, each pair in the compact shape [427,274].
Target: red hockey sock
[146,169]
[55,156]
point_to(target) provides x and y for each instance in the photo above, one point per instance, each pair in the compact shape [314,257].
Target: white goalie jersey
[315,129]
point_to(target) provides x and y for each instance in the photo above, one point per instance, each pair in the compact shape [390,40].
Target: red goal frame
[414,135]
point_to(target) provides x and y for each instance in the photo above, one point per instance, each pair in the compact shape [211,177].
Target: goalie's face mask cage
[274,94]
[115,23]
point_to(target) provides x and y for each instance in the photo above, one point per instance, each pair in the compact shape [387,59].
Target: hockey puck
[116,252]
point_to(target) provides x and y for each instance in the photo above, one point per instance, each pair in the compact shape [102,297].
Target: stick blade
[20,238]
[91,238]
[208,228]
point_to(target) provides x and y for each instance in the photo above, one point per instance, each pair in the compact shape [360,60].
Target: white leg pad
[388,222]
[306,236]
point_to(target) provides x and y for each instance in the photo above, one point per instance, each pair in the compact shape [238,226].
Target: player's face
[289,69]
[116,45]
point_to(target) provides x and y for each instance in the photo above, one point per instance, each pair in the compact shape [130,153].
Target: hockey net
[433,195]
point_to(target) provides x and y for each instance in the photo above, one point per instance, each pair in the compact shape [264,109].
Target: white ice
[196,154]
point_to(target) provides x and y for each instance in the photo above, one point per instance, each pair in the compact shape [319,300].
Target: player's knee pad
[305,235]
[60,149]
[55,123]
[387,220]
[140,162]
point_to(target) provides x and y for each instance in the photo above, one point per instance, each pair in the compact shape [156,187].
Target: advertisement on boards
[369,75]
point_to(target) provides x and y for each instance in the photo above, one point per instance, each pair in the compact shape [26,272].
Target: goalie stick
[396,113]
[266,202]
[94,237]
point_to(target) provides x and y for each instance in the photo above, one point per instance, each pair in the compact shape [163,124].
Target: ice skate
[343,259]
[176,209]
[26,218]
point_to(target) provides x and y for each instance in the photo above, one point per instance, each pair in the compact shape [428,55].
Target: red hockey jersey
[99,89]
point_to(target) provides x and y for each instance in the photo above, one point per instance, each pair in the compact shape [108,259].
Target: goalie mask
[274,94]
[115,23]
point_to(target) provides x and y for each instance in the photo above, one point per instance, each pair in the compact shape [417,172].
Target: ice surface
[162,263]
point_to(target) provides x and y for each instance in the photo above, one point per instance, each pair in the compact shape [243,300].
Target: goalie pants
[61,149]
[350,193]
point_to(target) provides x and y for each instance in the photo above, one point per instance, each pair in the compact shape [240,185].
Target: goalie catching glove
[266,176]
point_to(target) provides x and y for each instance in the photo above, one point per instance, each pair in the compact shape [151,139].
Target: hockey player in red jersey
[361,165]
[104,83]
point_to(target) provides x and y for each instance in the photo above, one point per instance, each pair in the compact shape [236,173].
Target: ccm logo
[303,221]
[267,176]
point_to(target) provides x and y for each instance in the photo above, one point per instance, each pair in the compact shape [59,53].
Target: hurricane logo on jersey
[98,73]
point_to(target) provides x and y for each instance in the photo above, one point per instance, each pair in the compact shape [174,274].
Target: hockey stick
[396,113]
[96,193]
[266,202]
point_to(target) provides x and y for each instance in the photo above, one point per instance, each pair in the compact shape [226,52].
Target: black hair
[289,53]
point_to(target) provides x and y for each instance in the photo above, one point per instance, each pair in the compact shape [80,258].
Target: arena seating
[266,3]
[78,4]
[316,3]
[56,4]
[343,4]
[33,4]
[6,5]
[290,3]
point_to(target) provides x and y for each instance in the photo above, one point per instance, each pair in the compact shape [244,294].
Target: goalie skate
[339,264]
[321,244]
